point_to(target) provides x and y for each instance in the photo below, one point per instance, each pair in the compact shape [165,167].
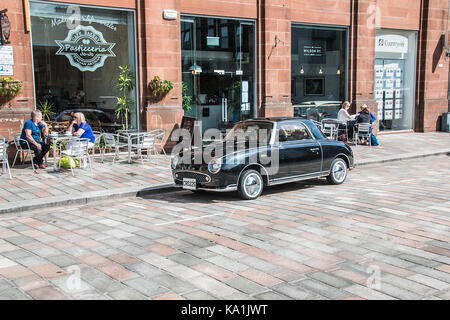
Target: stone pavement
[48,188]
[383,234]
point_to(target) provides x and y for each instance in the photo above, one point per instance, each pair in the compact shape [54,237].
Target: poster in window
[380,109]
[398,83]
[380,114]
[388,114]
[389,83]
[398,114]
[312,51]
[398,104]
[388,104]
[398,94]
[314,86]
[380,104]
[389,72]
[244,86]
[399,73]
[379,72]
[378,94]
[389,94]
[379,83]
[244,97]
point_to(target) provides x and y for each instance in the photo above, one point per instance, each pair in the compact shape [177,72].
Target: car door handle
[315,150]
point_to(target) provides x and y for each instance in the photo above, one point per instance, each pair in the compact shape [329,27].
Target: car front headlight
[174,162]
[215,165]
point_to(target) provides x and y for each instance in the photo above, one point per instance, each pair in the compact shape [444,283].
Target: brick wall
[332,12]
[275,50]
[362,56]
[224,8]
[160,49]
[433,67]
[399,14]
[13,112]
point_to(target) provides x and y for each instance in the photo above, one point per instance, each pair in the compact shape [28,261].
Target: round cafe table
[129,135]
[54,138]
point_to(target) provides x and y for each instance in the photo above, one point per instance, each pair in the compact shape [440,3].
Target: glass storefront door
[218,70]
[77,51]
[395,79]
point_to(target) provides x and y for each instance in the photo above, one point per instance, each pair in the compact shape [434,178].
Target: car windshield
[260,129]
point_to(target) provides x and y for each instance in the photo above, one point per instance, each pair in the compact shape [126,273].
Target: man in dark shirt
[31,132]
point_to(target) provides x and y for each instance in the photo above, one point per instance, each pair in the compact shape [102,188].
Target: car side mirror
[282,138]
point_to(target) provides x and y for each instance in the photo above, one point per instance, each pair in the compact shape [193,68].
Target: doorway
[218,70]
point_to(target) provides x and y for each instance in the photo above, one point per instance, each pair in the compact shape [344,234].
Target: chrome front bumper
[226,189]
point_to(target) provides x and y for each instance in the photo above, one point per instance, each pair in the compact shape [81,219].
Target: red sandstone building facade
[232,60]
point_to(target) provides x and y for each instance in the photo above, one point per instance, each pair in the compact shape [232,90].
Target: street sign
[5,27]
[6,70]
[6,55]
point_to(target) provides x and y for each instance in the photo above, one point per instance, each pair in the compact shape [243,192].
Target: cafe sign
[391,43]
[85,48]
[5,27]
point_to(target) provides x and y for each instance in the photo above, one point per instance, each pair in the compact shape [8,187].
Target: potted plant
[125,83]
[10,87]
[159,88]
[186,98]
[46,109]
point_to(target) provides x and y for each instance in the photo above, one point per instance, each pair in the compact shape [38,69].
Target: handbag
[342,137]
[68,162]
[373,140]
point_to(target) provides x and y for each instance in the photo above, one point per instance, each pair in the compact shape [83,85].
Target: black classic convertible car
[294,150]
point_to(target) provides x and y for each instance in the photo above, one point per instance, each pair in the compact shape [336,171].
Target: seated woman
[346,119]
[82,129]
[365,116]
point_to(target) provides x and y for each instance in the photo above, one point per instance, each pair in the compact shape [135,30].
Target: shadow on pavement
[210,197]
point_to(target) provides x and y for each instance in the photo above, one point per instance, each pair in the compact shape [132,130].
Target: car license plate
[190,184]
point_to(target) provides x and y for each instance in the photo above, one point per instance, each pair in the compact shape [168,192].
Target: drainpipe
[261,40]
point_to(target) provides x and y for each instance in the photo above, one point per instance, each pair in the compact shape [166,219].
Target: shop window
[76,54]
[318,76]
[218,70]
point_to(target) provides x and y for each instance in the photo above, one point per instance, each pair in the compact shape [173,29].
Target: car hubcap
[339,171]
[252,185]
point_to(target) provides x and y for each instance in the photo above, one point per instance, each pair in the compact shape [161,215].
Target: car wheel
[338,171]
[251,185]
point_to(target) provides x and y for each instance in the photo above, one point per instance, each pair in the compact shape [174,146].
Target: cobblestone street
[383,234]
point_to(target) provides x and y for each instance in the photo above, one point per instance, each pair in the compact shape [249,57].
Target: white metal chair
[112,141]
[363,131]
[19,149]
[159,139]
[4,156]
[330,129]
[144,141]
[79,150]
[98,137]
[317,123]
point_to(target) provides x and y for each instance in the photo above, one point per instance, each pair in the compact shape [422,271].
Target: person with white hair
[31,132]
